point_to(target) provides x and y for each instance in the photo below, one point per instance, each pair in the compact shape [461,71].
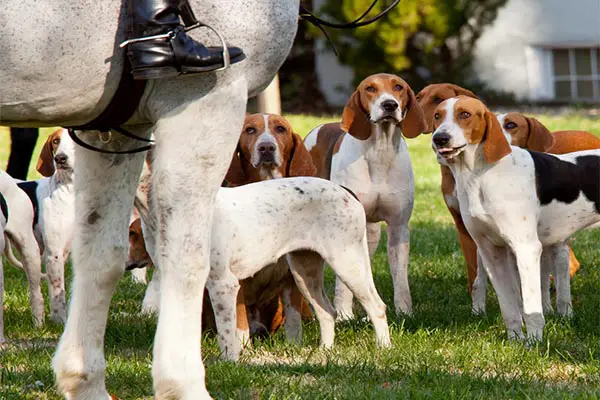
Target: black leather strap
[85,145]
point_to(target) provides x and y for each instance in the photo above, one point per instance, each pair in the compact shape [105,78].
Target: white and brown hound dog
[53,199]
[525,132]
[18,231]
[516,203]
[270,149]
[367,154]
[307,220]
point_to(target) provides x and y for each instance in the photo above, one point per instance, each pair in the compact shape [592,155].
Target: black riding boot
[160,47]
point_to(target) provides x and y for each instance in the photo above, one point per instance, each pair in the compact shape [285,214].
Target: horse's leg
[104,186]
[194,144]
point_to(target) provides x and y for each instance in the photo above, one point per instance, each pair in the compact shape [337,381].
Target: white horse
[60,66]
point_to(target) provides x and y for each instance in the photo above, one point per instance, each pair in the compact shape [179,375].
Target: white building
[539,50]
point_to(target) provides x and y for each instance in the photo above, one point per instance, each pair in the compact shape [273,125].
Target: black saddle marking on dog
[564,181]
[30,187]
[4,207]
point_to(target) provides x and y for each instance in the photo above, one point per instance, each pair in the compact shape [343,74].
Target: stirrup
[172,33]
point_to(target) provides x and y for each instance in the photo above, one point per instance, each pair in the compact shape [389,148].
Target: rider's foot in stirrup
[163,49]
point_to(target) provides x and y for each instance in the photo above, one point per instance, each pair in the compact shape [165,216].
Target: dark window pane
[561,62]
[583,62]
[585,89]
[563,90]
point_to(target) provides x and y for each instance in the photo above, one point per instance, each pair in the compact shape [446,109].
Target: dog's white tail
[10,255]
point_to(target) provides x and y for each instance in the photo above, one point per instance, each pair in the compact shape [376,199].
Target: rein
[357,23]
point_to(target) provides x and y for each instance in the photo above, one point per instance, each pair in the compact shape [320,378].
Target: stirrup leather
[172,33]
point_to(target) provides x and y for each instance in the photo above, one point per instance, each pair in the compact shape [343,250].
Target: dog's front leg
[398,247]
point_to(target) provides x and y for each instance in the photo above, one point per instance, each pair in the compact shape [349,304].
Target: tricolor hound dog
[19,231]
[516,203]
[270,149]
[367,154]
[53,200]
[309,220]
[531,135]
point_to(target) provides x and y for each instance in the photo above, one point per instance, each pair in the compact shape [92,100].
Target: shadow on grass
[366,381]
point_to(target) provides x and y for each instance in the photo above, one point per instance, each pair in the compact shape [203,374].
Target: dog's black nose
[266,148]
[389,105]
[441,138]
[60,158]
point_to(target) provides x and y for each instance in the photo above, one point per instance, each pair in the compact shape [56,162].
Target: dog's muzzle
[266,153]
[442,145]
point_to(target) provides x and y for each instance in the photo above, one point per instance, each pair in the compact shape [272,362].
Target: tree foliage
[423,40]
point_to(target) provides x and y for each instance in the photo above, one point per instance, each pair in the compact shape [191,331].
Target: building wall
[514,53]
[335,79]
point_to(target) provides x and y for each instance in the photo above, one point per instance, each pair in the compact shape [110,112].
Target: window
[576,74]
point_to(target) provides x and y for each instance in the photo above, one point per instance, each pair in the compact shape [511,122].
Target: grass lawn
[442,352]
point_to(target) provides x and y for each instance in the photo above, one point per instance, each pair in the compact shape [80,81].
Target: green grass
[442,352]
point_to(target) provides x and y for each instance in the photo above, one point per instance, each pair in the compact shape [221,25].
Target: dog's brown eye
[510,125]
[371,89]
[398,88]
[464,115]
[280,129]
[250,130]
[437,100]
[56,141]
[436,116]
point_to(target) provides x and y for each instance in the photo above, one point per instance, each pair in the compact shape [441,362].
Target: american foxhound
[307,220]
[53,199]
[367,154]
[516,203]
[527,133]
[269,149]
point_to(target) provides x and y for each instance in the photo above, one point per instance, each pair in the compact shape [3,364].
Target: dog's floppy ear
[301,162]
[496,145]
[540,138]
[355,120]
[413,123]
[236,176]
[45,164]
[461,91]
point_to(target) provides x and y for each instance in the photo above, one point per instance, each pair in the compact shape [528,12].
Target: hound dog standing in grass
[53,199]
[515,204]
[367,154]
[270,149]
[308,219]
[522,131]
